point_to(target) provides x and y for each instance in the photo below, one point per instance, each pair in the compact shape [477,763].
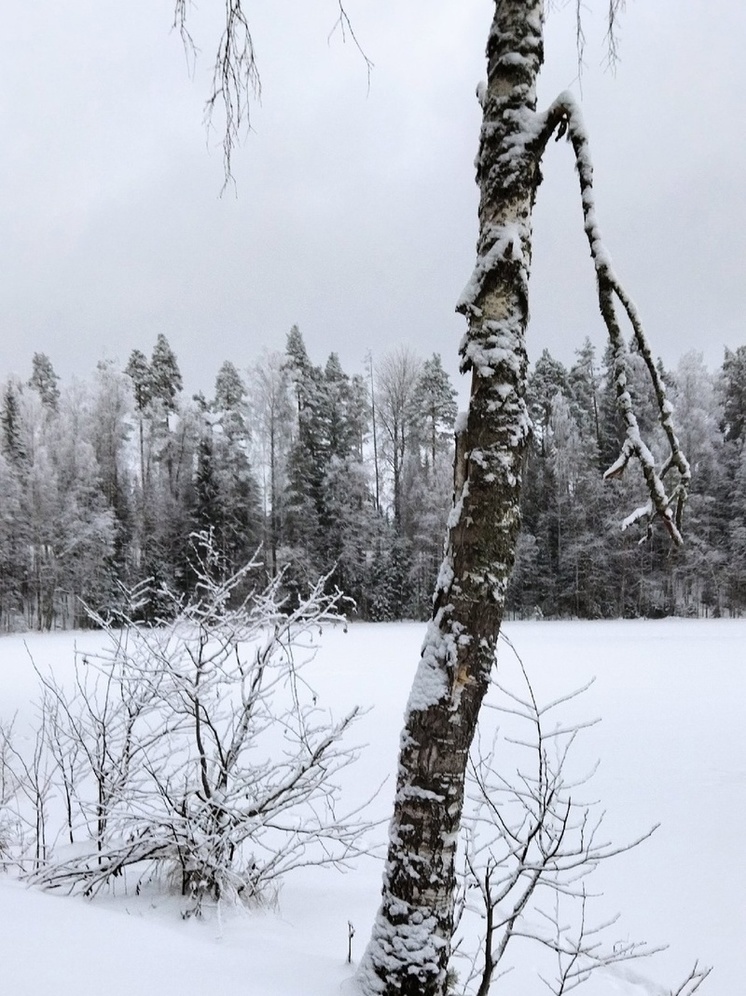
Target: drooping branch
[343,24]
[236,82]
[615,7]
[235,75]
[564,118]
[235,78]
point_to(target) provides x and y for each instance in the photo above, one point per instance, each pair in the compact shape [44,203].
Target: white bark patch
[503,241]
[430,683]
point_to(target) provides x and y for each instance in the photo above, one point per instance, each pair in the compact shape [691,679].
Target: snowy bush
[195,751]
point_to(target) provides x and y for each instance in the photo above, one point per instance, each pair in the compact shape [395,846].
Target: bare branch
[692,982]
[235,75]
[344,26]
[612,31]
[236,81]
[528,840]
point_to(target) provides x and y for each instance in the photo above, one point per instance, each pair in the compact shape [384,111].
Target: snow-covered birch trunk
[410,945]
[411,941]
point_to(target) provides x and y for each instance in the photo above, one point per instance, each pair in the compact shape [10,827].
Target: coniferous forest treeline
[104,484]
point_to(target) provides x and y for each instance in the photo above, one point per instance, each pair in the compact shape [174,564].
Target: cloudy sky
[354,213]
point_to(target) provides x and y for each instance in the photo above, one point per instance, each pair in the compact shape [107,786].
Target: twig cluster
[529,846]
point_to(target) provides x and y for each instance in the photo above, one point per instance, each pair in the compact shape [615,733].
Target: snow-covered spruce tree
[437,410]
[44,381]
[410,945]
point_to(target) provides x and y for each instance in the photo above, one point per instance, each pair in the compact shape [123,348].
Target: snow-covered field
[672,744]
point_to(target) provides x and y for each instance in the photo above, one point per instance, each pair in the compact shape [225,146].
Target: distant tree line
[102,484]
[574,559]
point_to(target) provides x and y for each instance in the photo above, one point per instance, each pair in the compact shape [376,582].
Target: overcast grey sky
[355,213]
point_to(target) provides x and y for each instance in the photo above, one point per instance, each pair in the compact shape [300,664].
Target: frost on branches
[194,752]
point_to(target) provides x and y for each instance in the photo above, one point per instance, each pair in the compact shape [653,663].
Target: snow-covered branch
[564,118]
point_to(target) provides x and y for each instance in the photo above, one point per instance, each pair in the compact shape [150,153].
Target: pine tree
[138,370]
[12,441]
[436,399]
[230,403]
[322,514]
[165,376]
[207,507]
[733,391]
[165,387]
[610,422]
[44,381]
[545,382]
[583,384]
[13,547]
[298,365]
[305,466]
[340,413]
[352,531]
[225,472]
[168,438]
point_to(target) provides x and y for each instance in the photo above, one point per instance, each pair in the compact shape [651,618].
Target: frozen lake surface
[672,747]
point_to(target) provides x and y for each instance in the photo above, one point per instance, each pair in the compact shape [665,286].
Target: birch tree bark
[410,945]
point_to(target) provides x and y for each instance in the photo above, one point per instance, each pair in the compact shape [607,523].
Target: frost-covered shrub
[196,751]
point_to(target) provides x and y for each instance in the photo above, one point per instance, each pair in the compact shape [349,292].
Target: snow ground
[673,746]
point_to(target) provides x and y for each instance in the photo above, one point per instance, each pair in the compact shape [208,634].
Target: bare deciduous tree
[273,414]
[397,378]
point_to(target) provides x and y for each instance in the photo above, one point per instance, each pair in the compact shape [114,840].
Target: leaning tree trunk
[410,945]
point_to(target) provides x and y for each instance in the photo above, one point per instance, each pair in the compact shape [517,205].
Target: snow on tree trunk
[410,944]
